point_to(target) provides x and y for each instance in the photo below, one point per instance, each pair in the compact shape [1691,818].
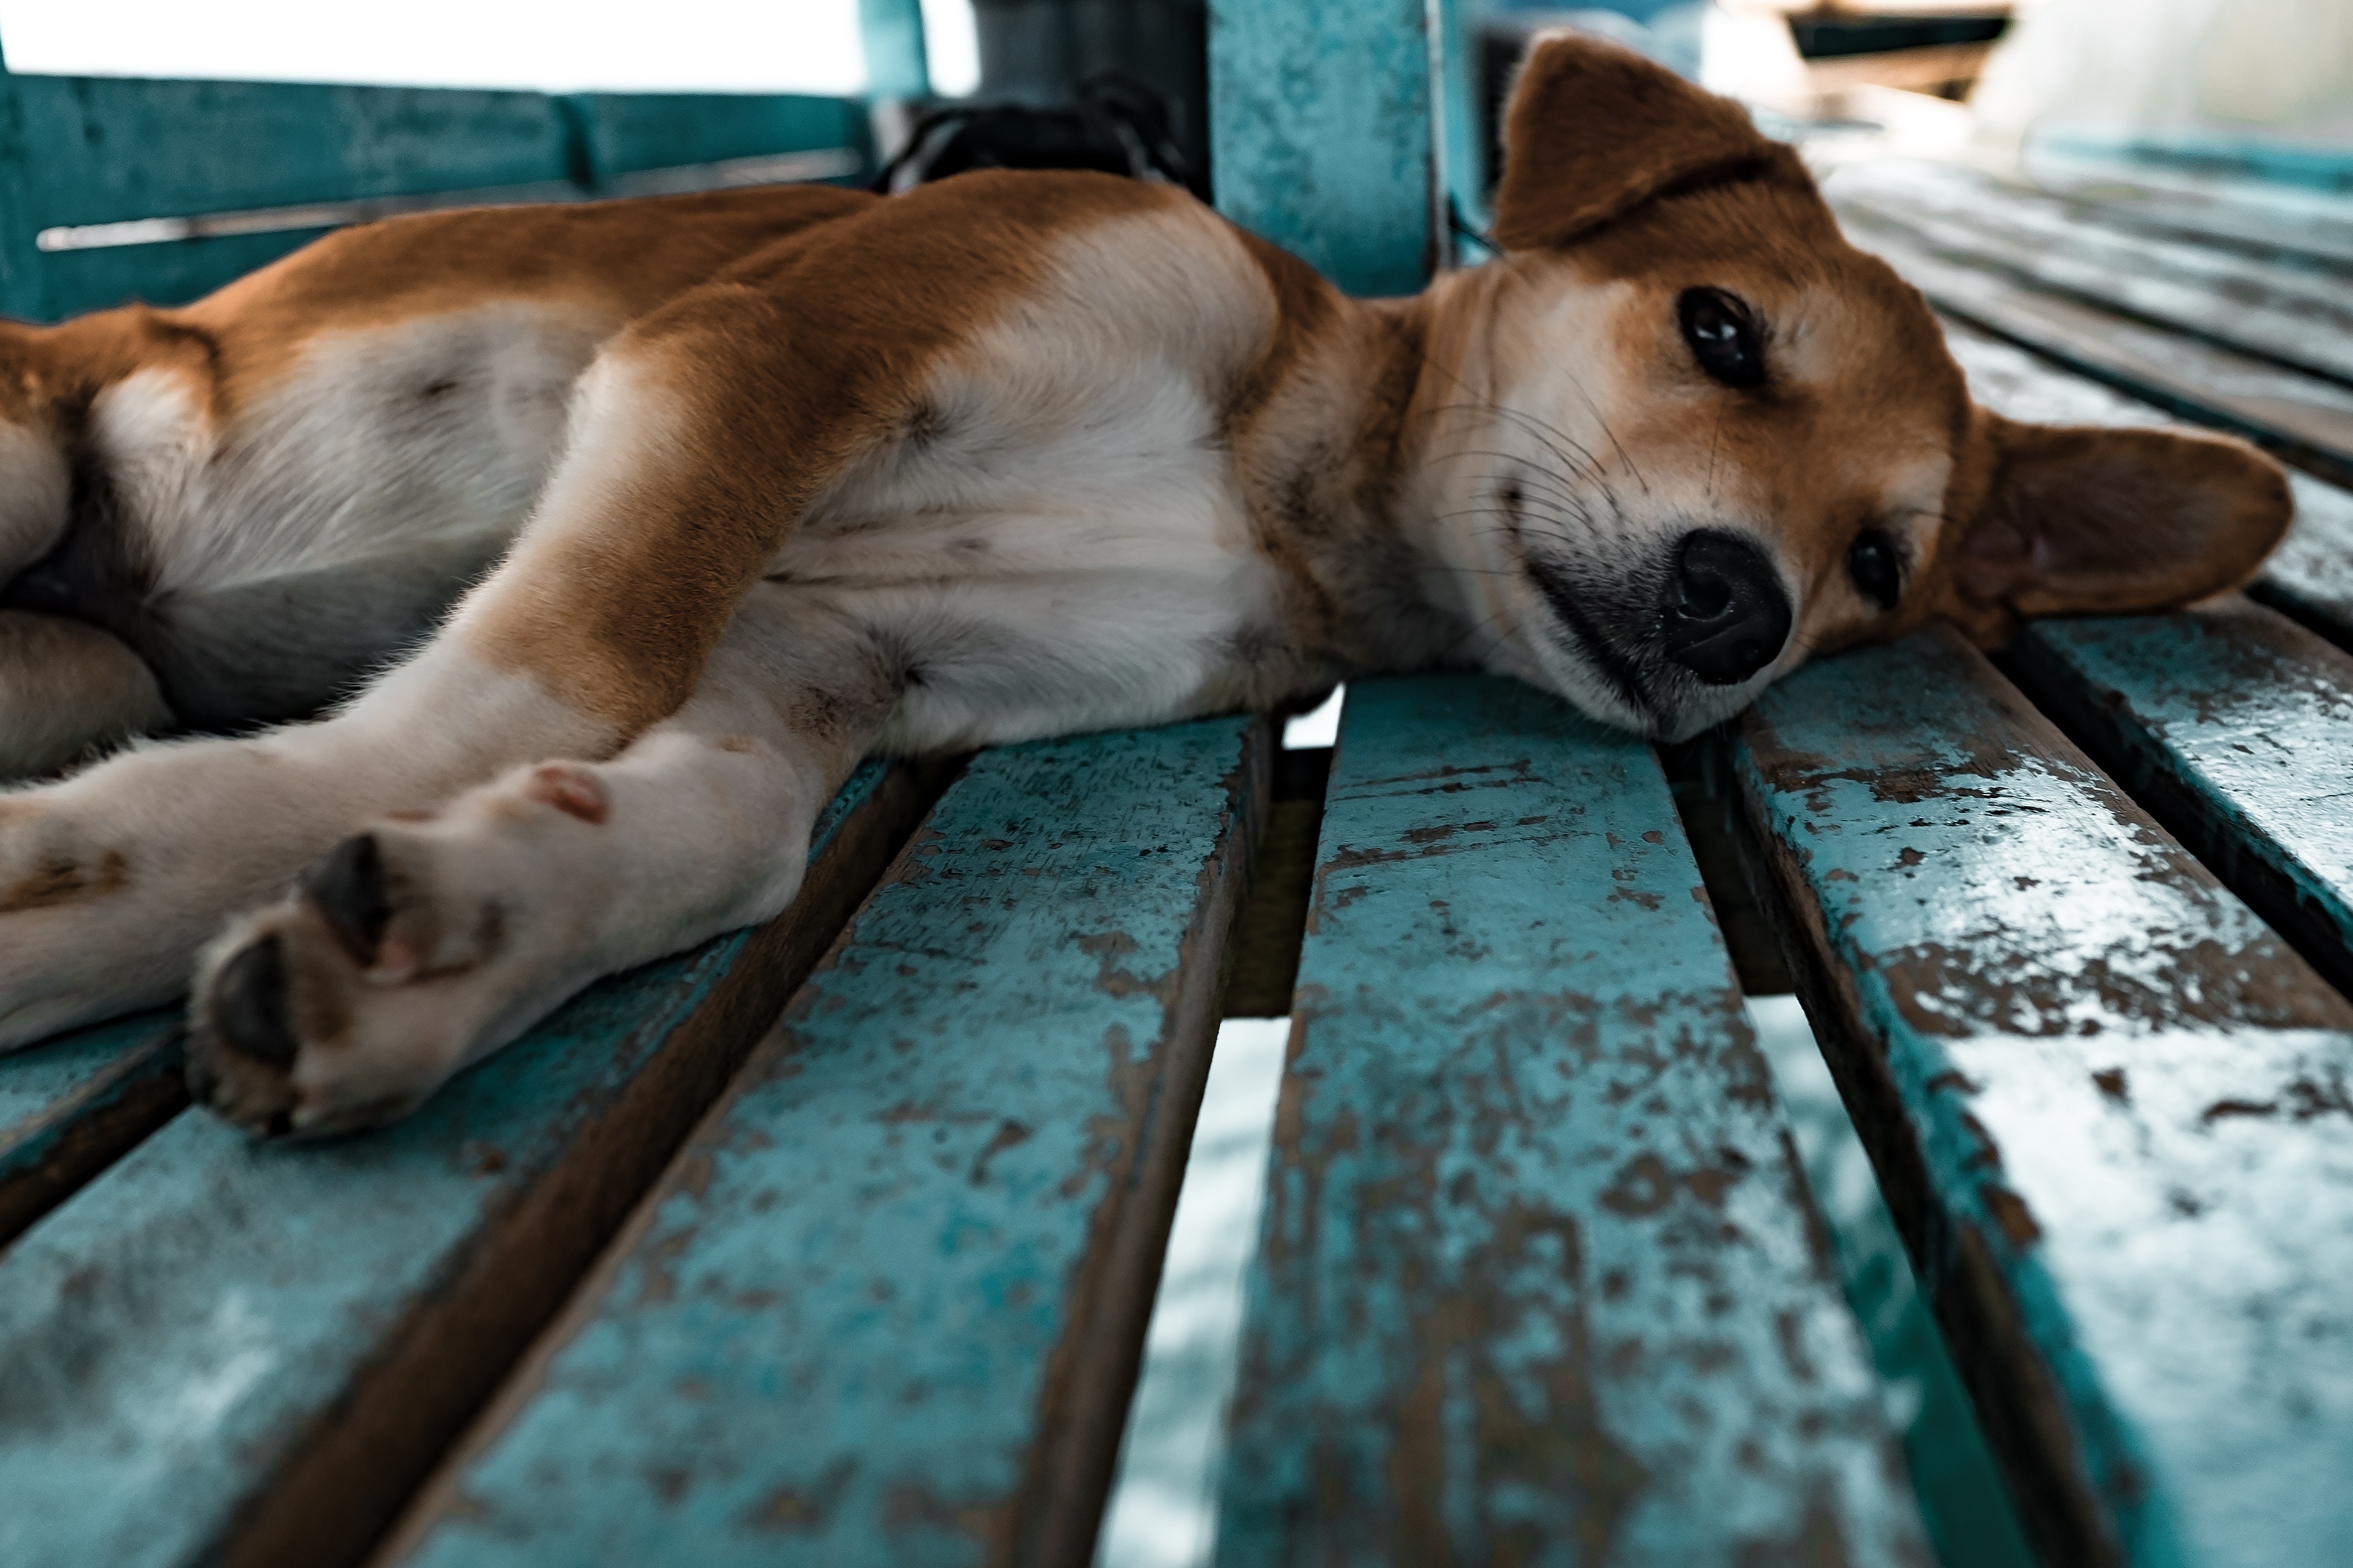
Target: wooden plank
[1536,1281]
[110,148]
[2212,154]
[69,1106]
[627,134]
[2107,1106]
[226,1351]
[2310,577]
[2235,726]
[105,149]
[1321,134]
[21,290]
[888,1306]
[2296,317]
[2303,417]
[2290,226]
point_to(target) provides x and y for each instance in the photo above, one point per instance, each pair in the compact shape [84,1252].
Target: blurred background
[2268,81]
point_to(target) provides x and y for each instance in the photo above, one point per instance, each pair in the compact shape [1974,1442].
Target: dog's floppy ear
[1595,130]
[2087,521]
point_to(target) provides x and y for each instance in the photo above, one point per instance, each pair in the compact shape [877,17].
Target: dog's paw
[405,953]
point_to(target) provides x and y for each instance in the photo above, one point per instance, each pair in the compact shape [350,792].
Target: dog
[750,486]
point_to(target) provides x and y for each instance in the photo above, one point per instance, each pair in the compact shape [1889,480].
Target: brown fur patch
[1594,130]
[783,370]
[611,260]
[1304,308]
[2101,521]
[63,881]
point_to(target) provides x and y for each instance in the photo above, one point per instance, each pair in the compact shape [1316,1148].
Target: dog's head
[1703,436]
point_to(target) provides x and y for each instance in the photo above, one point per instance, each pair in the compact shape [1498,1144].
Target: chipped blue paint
[74,1091]
[2237,724]
[885,1306]
[1321,133]
[1537,1282]
[2110,1106]
[178,1336]
[2311,575]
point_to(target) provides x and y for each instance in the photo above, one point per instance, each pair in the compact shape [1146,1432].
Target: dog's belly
[1031,575]
[264,566]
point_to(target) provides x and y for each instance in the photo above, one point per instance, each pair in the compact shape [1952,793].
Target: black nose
[1724,616]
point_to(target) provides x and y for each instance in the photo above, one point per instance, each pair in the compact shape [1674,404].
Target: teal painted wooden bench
[834,1241]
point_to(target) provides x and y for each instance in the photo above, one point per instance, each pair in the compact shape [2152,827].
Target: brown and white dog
[756,484]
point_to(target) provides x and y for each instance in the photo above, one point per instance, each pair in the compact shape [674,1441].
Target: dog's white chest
[1063,547]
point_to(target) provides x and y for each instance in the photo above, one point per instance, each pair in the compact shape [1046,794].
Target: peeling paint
[2060,997]
[1534,1283]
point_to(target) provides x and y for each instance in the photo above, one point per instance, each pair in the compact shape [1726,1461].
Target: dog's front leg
[111,880]
[425,941]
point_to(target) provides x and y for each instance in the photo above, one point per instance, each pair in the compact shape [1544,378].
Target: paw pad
[348,890]
[248,1004]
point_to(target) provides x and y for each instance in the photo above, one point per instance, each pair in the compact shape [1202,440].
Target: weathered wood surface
[624,133]
[1536,1281]
[887,1307]
[1321,132]
[2295,228]
[104,149]
[2212,155]
[101,149]
[2235,726]
[2295,315]
[228,1351]
[70,1105]
[2109,1108]
[2301,415]
[2311,577]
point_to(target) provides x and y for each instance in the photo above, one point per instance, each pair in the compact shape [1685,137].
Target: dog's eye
[1874,565]
[1723,336]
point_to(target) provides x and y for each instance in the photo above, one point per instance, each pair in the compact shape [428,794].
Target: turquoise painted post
[1321,136]
[896,66]
[21,294]
[1462,149]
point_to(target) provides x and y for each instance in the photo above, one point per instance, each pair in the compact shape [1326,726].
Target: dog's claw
[347,889]
[248,1004]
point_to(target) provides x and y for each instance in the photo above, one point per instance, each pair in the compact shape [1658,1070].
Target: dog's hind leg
[111,880]
[697,442]
[65,687]
[425,941]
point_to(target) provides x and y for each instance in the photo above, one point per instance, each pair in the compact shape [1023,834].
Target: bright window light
[1318,726]
[1164,1503]
[708,46]
[951,46]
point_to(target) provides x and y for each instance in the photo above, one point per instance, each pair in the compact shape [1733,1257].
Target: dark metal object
[1120,126]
